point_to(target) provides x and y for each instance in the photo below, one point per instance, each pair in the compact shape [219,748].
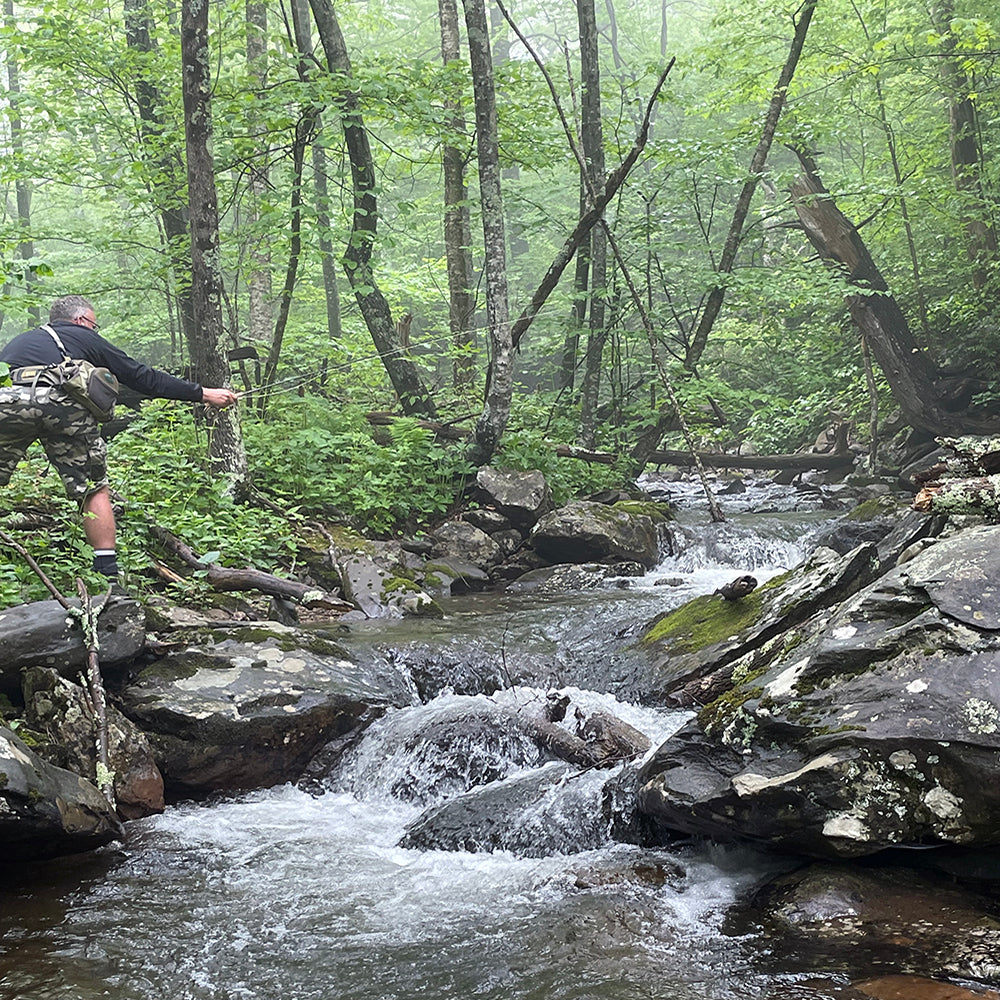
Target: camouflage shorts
[70,435]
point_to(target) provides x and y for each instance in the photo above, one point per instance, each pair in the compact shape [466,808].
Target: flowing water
[291,895]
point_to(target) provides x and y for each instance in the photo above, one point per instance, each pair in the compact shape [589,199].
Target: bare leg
[99,520]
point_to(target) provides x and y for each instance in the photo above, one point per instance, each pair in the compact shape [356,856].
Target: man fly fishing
[68,431]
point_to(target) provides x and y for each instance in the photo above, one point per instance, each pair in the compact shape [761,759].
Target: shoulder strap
[55,336]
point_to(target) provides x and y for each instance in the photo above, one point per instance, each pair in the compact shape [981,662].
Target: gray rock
[464,541]
[871,726]
[554,809]
[250,709]
[488,520]
[894,917]
[522,496]
[44,634]
[584,532]
[60,709]
[46,811]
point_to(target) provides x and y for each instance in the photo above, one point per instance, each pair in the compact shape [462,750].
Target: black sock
[106,562]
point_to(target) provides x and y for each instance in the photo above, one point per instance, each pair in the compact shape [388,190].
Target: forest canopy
[621,226]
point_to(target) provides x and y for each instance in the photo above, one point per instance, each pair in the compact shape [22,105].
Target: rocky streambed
[806,773]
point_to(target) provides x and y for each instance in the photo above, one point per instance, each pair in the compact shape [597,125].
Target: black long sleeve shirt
[36,347]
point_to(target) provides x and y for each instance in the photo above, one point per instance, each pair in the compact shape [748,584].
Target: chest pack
[93,387]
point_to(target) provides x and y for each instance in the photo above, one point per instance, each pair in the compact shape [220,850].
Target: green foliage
[325,458]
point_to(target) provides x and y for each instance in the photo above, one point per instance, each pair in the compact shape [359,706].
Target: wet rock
[548,811]
[523,497]
[60,709]
[584,532]
[690,646]
[46,811]
[570,577]
[889,916]
[918,988]
[427,753]
[43,634]
[249,708]
[466,542]
[872,725]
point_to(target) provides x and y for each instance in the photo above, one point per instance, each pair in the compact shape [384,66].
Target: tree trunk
[325,240]
[966,154]
[457,226]
[165,161]
[875,313]
[500,381]
[732,244]
[304,128]
[587,220]
[22,187]
[413,395]
[207,360]
[259,318]
[592,137]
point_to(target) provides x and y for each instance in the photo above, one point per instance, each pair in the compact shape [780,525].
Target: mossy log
[980,496]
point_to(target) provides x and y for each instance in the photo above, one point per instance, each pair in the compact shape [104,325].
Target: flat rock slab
[43,634]
[250,710]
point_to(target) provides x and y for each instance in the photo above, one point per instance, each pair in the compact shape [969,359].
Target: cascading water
[288,894]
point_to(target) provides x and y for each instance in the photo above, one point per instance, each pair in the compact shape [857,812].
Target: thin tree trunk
[165,163]
[500,381]
[22,187]
[324,239]
[402,372]
[207,361]
[304,129]
[715,297]
[966,155]
[592,137]
[259,279]
[457,225]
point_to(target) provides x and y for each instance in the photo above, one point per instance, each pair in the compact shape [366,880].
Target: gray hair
[69,307]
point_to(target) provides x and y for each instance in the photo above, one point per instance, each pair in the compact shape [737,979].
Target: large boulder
[61,710]
[523,497]
[593,532]
[46,811]
[873,725]
[44,634]
[250,708]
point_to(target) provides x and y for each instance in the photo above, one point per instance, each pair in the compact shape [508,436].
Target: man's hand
[218,397]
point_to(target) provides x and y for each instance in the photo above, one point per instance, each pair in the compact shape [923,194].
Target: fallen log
[800,462]
[225,578]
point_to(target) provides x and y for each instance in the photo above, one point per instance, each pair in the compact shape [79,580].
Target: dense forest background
[764,219]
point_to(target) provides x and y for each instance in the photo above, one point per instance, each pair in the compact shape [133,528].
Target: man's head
[74,308]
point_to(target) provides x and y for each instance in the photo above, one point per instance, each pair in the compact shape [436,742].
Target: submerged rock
[878,916]
[46,811]
[428,752]
[552,810]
